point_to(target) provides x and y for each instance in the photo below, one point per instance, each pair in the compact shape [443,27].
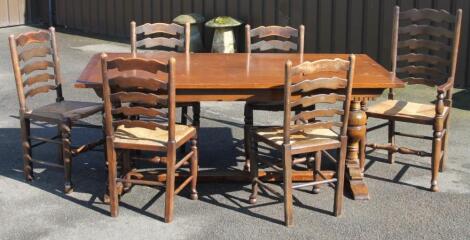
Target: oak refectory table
[260,77]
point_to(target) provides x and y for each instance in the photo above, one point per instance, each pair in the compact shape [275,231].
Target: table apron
[253,95]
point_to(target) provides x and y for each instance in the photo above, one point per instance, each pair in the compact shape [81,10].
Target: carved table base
[356,137]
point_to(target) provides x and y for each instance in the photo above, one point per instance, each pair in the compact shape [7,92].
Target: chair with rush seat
[424,51]
[267,39]
[308,132]
[135,119]
[164,37]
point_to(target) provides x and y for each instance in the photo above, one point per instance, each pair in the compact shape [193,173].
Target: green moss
[223,21]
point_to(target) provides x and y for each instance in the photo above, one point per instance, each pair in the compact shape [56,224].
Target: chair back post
[108,117]
[57,72]
[187,37]
[171,100]
[455,52]
[301,38]
[347,102]
[17,73]
[287,105]
[394,49]
[133,39]
[247,38]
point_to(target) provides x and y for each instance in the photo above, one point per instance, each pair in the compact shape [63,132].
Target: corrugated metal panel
[358,26]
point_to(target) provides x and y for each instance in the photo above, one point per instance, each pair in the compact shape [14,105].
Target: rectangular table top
[253,71]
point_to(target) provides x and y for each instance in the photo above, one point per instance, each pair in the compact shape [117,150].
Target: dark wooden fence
[357,26]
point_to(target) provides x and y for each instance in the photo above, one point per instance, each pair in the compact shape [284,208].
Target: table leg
[356,135]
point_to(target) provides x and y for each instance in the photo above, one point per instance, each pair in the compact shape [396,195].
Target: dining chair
[129,81]
[269,39]
[425,45]
[36,67]
[310,132]
[166,37]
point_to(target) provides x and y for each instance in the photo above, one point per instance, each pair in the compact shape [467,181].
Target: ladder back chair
[167,37]
[138,81]
[269,39]
[309,132]
[424,51]
[36,67]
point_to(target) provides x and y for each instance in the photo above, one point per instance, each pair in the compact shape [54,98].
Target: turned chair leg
[170,183]
[60,149]
[27,153]
[445,143]
[436,159]
[253,168]
[194,169]
[391,140]
[197,115]
[184,112]
[247,131]
[112,175]
[316,172]
[338,204]
[288,204]
[126,168]
[65,129]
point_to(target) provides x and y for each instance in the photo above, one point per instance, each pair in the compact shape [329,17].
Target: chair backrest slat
[160,41]
[36,66]
[308,101]
[139,123]
[43,77]
[42,89]
[313,114]
[40,36]
[319,83]
[131,100]
[312,126]
[41,51]
[35,62]
[329,90]
[427,14]
[132,82]
[267,38]
[424,45]
[139,98]
[179,36]
[415,44]
[139,111]
[422,57]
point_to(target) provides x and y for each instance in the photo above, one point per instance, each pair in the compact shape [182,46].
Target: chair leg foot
[194,196]
[246,167]
[434,187]
[106,199]
[68,188]
[252,199]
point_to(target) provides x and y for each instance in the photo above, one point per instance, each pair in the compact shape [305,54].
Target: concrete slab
[401,207]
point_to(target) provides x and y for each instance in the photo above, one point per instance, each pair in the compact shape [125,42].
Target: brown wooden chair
[425,45]
[267,39]
[136,81]
[310,132]
[36,67]
[164,37]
